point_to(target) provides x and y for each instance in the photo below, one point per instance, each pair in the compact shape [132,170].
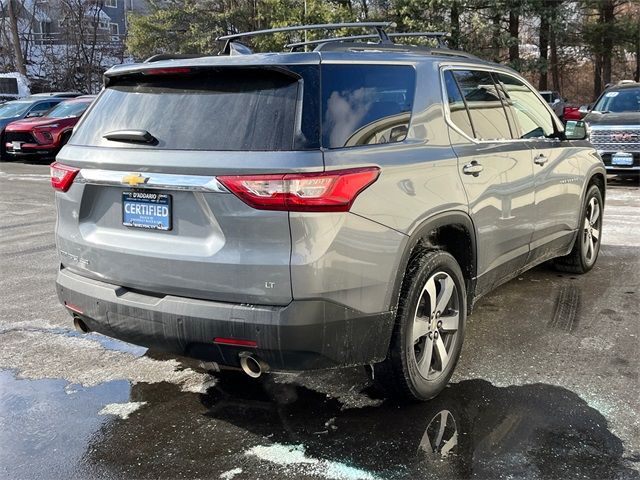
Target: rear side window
[366,104]
[223,109]
[485,106]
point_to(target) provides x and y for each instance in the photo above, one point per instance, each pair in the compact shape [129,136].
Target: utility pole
[17,47]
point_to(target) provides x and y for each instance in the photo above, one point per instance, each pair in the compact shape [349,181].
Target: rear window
[257,109]
[230,109]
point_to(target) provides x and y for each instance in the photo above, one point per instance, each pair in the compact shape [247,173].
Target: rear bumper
[304,335]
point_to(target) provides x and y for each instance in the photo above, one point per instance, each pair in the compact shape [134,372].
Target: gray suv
[306,210]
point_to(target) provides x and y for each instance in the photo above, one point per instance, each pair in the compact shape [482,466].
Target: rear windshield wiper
[131,136]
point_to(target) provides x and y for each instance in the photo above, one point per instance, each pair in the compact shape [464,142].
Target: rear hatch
[146,210]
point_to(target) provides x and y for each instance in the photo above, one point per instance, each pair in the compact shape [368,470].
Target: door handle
[472,168]
[540,159]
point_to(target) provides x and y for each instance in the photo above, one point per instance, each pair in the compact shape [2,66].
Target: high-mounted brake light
[62,176]
[166,71]
[332,191]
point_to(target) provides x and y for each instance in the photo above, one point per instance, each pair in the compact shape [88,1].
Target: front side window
[42,107]
[531,117]
[485,106]
[366,104]
[457,109]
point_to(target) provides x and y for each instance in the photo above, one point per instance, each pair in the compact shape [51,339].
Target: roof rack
[439,36]
[378,27]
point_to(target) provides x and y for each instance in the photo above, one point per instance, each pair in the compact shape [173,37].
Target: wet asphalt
[547,386]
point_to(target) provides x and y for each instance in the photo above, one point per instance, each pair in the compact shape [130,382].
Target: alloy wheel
[591,230]
[435,325]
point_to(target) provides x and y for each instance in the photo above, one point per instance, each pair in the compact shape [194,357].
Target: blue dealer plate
[621,158]
[148,210]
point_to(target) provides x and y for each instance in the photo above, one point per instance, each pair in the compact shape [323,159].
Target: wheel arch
[452,232]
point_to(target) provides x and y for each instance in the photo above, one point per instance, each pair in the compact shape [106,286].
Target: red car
[45,136]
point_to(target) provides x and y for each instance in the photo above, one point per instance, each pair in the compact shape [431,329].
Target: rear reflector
[62,176]
[73,308]
[332,191]
[235,341]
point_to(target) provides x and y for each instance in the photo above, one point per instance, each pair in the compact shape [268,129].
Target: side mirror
[575,130]
[584,109]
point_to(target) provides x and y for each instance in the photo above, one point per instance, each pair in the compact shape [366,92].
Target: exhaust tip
[80,325]
[251,365]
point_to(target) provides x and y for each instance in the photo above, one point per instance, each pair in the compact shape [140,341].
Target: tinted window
[223,109]
[42,107]
[627,100]
[457,108]
[547,97]
[485,107]
[366,104]
[532,119]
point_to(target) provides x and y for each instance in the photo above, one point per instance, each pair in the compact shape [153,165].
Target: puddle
[244,429]
[45,426]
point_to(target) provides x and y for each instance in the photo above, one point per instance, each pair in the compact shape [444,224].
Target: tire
[64,139]
[408,373]
[586,248]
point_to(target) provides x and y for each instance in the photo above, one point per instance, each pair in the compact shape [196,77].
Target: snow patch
[229,474]
[39,354]
[122,410]
[296,457]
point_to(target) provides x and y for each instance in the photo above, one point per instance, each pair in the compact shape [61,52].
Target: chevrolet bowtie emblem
[134,179]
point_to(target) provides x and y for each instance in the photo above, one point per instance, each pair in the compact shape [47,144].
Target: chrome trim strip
[170,181]
[596,126]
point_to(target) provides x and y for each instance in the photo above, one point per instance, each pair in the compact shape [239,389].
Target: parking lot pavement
[547,386]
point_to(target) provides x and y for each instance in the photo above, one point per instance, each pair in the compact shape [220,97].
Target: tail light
[62,176]
[332,191]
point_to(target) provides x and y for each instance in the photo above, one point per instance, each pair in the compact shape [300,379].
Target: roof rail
[439,36]
[378,27]
[394,47]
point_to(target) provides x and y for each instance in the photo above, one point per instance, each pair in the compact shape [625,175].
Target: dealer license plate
[624,159]
[16,146]
[148,210]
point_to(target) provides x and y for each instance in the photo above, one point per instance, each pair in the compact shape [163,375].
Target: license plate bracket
[147,210]
[622,159]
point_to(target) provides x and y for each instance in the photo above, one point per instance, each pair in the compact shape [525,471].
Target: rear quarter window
[366,104]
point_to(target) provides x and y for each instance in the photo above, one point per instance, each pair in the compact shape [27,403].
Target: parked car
[614,128]
[555,101]
[571,113]
[18,109]
[305,210]
[58,94]
[45,136]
